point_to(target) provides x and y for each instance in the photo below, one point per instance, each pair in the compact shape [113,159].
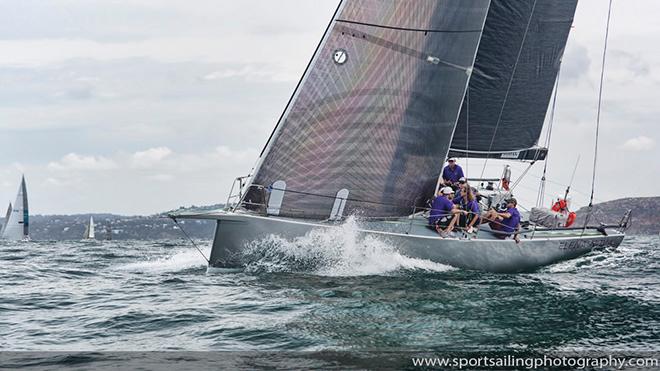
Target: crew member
[459,199]
[452,173]
[561,206]
[469,209]
[443,211]
[506,222]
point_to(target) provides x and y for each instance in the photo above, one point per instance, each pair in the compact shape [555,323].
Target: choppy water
[328,293]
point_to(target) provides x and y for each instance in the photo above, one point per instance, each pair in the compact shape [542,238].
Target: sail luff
[375,111]
[296,91]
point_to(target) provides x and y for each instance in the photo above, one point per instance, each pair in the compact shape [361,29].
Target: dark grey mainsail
[374,113]
[514,75]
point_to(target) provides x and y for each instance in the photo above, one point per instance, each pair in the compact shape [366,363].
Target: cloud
[75,162]
[161,177]
[254,73]
[150,157]
[639,144]
[208,81]
[576,63]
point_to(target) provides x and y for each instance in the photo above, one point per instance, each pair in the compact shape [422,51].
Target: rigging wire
[189,238]
[568,189]
[600,103]
[541,196]
[508,89]
[558,184]
[522,176]
[467,134]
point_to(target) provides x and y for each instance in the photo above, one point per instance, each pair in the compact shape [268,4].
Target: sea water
[326,292]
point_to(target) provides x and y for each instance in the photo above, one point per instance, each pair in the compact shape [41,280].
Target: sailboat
[6,220]
[17,223]
[393,89]
[89,230]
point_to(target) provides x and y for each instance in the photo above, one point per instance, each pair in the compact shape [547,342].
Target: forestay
[514,75]
[376,108]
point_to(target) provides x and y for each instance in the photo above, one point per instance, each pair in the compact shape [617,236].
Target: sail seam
[406,28]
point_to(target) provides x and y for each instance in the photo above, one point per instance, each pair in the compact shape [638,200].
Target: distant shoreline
[646,221]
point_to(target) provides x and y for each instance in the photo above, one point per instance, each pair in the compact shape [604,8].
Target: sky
[141,106]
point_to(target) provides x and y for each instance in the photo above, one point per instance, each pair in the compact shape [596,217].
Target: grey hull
[235,231]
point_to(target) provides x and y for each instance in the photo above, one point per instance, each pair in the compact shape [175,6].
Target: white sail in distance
[17,226]
[89,231]
[4,223]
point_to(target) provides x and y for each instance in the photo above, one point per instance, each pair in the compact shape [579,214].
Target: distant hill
[118,227]
[645,213]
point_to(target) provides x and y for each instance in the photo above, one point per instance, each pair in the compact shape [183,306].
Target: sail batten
[514,75]
[375,111]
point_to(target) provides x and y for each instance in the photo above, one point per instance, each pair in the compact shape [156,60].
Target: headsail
[514,75]
[18,224]
[6,220]
[376,108]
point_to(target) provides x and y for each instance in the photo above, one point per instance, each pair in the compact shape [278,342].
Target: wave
[179,260]
[342,251]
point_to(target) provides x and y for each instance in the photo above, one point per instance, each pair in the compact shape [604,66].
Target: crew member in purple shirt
[506,222]
[470,210]
[459,199]
[443,211]
[452,173]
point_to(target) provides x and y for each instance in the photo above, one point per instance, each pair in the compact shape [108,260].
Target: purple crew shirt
[440,208]
[473,207]
[452,175]
[509,225]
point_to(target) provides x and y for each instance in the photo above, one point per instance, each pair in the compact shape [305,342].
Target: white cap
[452,159]
[447,191]
[462,180]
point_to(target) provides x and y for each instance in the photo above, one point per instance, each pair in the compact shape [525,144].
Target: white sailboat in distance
[393,89]
[89,230]
[7,215]
[17,225]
